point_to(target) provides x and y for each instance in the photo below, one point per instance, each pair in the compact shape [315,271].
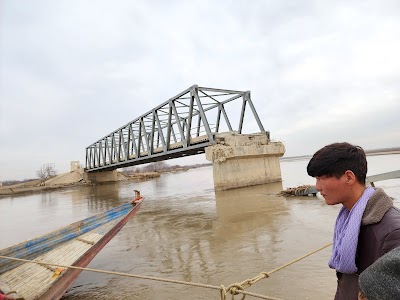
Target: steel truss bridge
[182,126]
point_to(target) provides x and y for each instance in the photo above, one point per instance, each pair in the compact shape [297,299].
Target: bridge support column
[244,159]
[103,176]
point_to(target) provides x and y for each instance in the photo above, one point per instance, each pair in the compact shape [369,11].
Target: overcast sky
[73,71]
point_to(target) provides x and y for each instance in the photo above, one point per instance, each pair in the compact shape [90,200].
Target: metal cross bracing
[179,127]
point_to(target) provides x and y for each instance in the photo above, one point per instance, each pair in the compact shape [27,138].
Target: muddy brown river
[186,231]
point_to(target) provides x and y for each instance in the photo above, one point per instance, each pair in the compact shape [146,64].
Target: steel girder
[178,127]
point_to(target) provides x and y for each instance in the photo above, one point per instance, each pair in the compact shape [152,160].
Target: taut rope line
[113,273]
[234,289]
[300,258]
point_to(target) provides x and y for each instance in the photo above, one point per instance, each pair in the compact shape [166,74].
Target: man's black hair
[335,159]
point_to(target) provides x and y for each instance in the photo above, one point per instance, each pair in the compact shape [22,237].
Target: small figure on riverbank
[367,226]
[381,280]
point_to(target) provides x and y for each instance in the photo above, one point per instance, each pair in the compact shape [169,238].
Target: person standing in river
[367,226]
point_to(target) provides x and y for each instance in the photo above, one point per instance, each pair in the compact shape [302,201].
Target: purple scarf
[345,238]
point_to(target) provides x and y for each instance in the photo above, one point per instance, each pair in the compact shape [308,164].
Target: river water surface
[187,231]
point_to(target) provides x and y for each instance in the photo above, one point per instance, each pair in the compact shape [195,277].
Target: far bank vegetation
[155,169]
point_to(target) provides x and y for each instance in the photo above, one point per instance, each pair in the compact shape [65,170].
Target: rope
[237,288]
[300,258]
[114,273]
[233,289]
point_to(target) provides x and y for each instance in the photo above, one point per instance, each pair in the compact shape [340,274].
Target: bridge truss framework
[178,127]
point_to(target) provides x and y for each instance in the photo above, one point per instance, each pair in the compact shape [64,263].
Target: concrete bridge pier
[241,160]
[99,177]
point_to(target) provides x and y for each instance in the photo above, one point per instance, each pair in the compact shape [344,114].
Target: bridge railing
[180,126]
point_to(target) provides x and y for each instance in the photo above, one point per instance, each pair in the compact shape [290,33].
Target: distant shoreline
[33,185]
[382,152]
[385,151]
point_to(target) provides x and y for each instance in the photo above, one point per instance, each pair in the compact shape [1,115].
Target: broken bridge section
[183,125]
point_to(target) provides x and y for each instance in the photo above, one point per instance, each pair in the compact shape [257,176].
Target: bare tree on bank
[46,172]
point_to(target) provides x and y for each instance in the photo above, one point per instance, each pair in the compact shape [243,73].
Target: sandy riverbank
[73,178]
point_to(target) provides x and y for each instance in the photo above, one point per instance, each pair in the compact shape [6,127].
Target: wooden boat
[74,245]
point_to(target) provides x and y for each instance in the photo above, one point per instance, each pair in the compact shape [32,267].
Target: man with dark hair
[367,226]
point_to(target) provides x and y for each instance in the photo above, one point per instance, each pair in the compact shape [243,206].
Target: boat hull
[68,278]
[74,245]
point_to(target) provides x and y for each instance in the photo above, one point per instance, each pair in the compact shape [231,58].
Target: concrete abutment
[241,160]
[99,177]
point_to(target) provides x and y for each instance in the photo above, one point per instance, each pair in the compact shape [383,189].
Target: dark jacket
[379,233]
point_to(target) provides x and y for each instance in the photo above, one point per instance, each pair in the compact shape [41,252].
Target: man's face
[331,188]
